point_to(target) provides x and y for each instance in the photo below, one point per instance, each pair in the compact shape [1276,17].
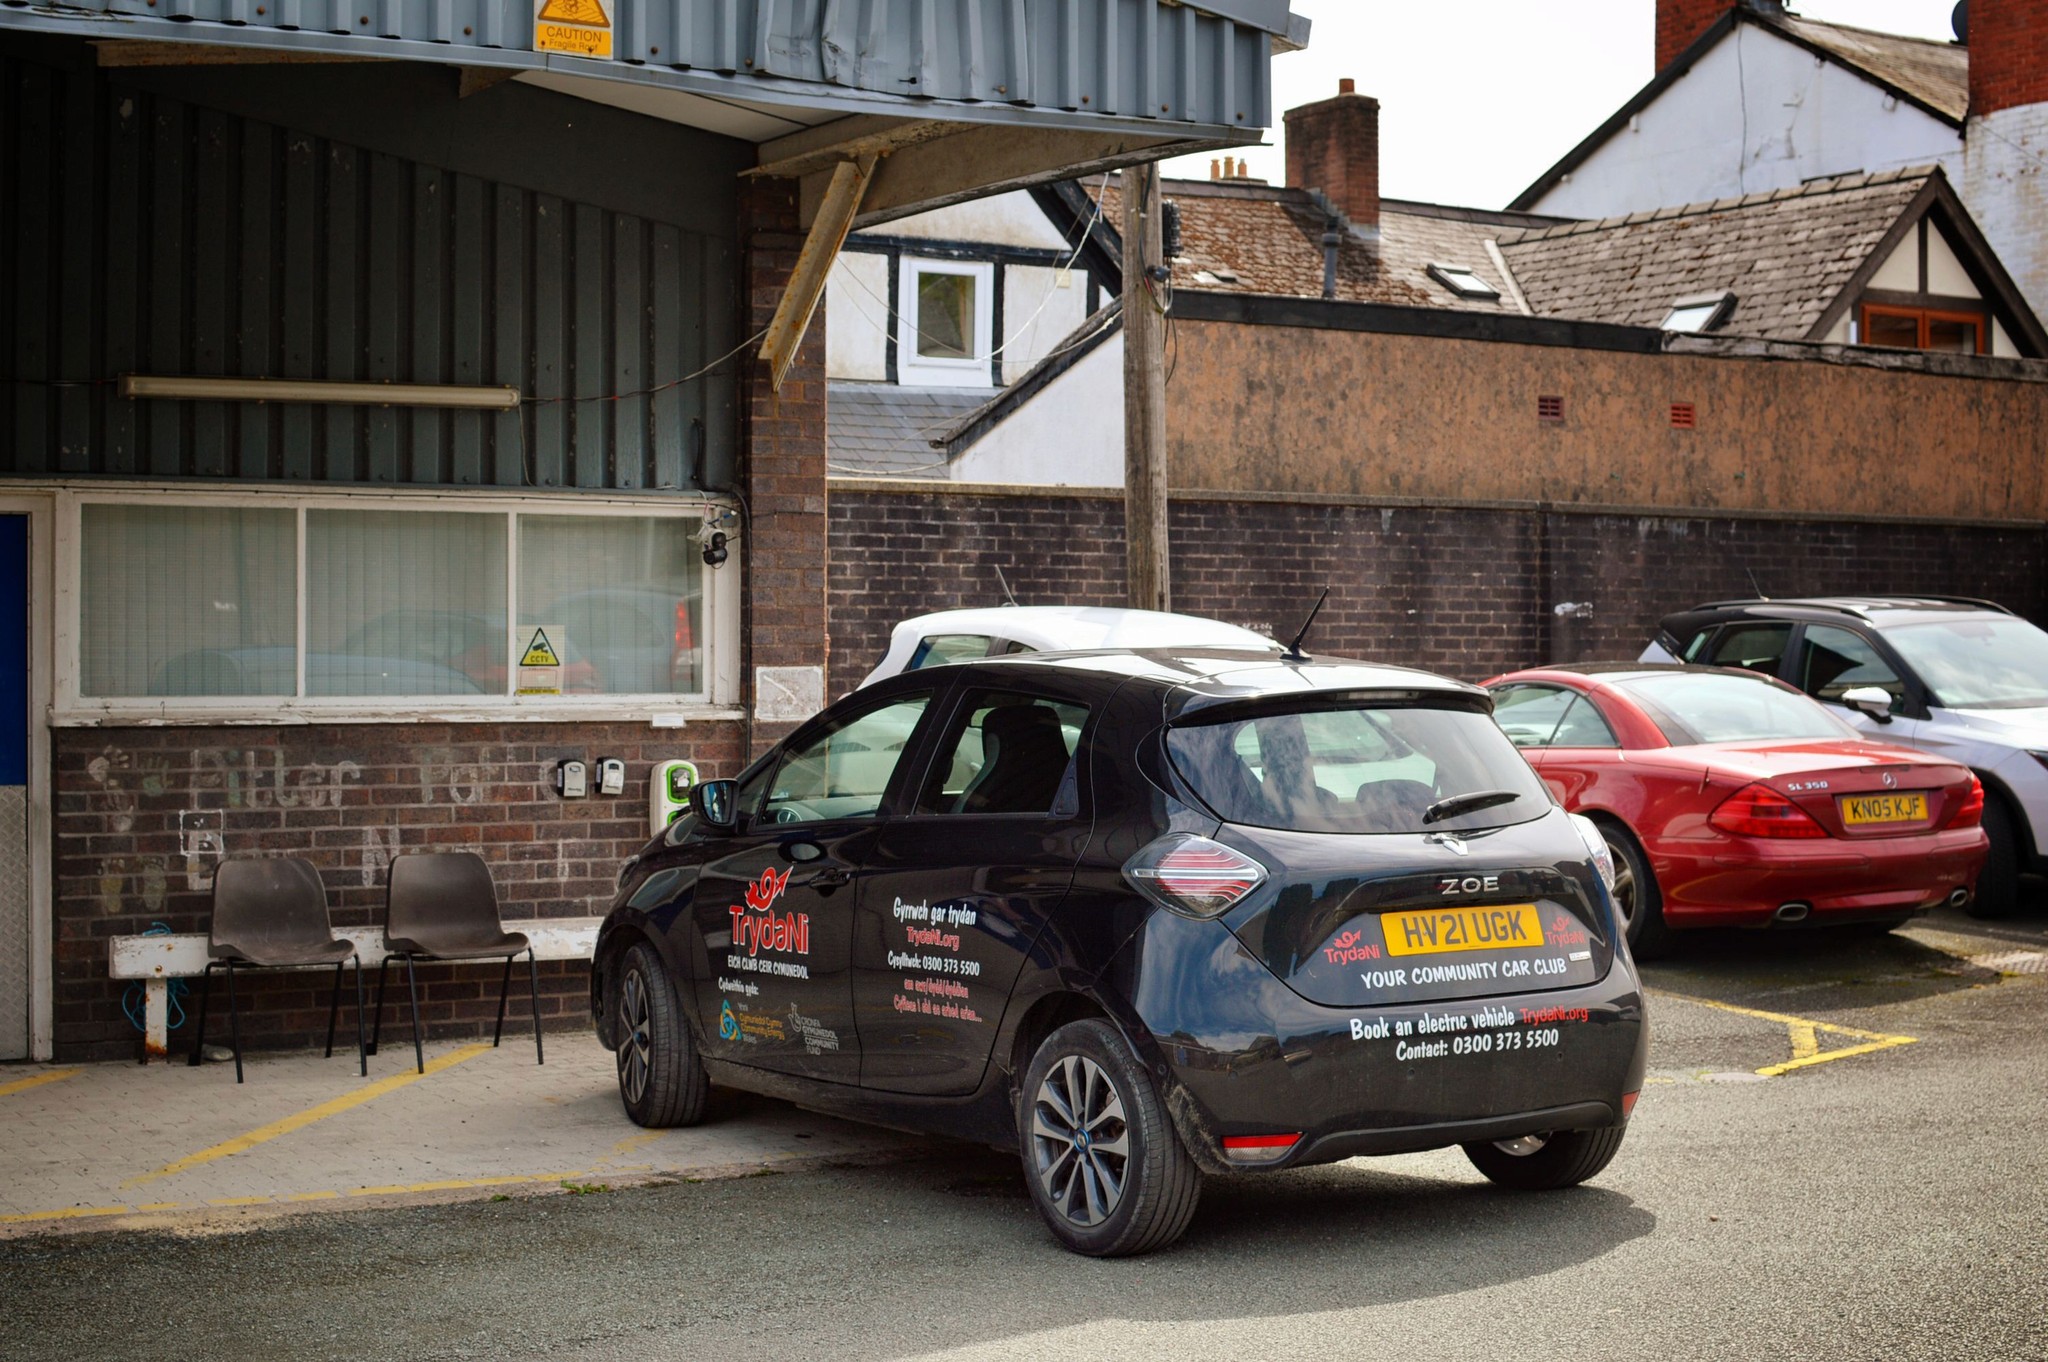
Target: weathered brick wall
[784,435]
[347,797]
[1467,591]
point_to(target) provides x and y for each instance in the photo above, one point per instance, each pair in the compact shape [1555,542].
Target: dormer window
[1462,282]
[1698,313]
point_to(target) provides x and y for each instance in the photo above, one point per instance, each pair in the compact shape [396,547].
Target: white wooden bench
[156,960]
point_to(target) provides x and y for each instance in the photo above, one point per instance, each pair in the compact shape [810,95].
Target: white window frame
[720,620]
[920,371]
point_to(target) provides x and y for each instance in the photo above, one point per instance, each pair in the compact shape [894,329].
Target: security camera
[715,552]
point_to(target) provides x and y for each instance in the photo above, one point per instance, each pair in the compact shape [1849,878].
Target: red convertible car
[1729,799]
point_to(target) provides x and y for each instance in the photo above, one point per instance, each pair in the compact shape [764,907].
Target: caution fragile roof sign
[581,28]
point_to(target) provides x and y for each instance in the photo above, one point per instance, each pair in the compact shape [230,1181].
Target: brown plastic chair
[272,914]
[441,905]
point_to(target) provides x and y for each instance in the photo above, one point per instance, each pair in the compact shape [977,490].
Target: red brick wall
[784,435]
[1679,22]
[346,797]
[1466,591]
[1334,146]
[2008,54]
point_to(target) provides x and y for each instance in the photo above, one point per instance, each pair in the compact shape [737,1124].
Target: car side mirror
[1874,701]
[713,803]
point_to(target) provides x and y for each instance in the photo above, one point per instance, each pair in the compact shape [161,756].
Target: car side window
[1834,660]
[845,772]
[1007,753]
[936,650]
[1583,726]
[1753,647]
[1530,714]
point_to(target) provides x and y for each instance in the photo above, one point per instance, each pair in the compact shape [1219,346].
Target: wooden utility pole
[1144,395]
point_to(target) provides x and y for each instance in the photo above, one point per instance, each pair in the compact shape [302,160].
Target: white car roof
[1066,628]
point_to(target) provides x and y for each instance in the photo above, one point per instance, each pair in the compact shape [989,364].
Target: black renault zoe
[1141,916]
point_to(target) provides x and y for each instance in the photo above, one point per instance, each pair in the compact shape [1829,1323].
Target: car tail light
[1971,812]
[1628,1104]
[1259,1148]
[1193,875]
[1759,811]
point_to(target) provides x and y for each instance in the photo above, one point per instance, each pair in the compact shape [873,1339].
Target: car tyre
[661,1079]
[1636,893]
[1129,1187]
[1998,884]
[1542,1163]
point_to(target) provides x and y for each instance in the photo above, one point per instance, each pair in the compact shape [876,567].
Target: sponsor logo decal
[728,1024]
[757,927]
[1564,930]
[1346,949]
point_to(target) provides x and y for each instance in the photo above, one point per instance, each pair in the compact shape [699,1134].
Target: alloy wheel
[1625,894]
[635,1057]
[1081,1145]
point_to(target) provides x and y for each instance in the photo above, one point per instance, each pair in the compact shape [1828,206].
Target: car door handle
[831,878]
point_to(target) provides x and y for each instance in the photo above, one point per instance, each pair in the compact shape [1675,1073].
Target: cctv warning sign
[540,662]
[579,28]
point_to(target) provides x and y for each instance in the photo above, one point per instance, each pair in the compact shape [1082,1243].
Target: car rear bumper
[1737,882]
[1354,1081]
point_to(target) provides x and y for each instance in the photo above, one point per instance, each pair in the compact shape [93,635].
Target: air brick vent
[1683,417]
[1550,409]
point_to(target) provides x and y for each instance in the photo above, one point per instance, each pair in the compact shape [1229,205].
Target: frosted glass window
[625,596]
[406,603]
[187,600]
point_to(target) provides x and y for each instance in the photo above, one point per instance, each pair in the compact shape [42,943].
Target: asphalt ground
[1890,1201]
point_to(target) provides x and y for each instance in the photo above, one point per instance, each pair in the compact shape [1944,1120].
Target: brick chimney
[2008,42]
[1334,146]
[1679,22]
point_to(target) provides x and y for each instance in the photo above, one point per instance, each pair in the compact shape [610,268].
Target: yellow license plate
[1889,808]
[1434,931]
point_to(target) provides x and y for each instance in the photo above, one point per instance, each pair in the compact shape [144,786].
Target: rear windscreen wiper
[1454,805]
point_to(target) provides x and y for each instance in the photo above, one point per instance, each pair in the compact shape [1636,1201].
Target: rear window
[1698,708]
[1359,770]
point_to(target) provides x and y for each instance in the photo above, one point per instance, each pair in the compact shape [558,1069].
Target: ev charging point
[669,792]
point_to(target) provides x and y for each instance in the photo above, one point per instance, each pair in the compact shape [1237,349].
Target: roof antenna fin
[1751,574]
[1294,652]
[1009,596]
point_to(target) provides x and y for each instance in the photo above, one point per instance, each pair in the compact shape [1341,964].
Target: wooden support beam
[813,264]
[824,147]
[976,161]
[1144,321]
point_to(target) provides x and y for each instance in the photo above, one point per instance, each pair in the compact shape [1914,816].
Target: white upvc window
[274,605]
[945,320]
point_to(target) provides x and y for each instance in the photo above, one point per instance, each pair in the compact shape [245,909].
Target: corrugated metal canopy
[1148,67]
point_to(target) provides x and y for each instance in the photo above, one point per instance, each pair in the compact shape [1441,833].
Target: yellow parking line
[24,1084]
[301,1120]
[68,1213]
[1806,1051]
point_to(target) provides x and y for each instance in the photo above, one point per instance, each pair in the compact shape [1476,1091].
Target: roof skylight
[1462,282]
[1700,312]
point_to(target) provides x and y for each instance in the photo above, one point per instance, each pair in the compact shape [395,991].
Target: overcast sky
[1479,97]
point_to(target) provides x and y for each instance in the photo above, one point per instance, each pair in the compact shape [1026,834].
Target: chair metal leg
[540,1055]
[377,1028]
[205,994]
[504,984]
[419,1049]
[334,1005]
[235,1021]
[362,1055]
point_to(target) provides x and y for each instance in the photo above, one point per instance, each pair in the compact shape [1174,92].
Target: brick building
[264,614]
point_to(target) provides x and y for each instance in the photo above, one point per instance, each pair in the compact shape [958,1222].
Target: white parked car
[964,635]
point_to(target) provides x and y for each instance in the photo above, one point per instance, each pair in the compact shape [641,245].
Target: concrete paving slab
[104,1143]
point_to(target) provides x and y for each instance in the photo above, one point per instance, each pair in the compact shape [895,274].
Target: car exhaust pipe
[1958,898]
[1792,912]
